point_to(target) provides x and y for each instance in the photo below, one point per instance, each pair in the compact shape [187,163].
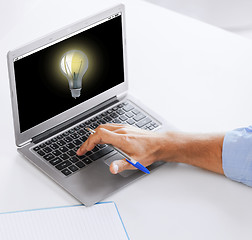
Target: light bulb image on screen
[74,65]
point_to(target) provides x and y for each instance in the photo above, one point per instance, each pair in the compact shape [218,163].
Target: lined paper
[101,221]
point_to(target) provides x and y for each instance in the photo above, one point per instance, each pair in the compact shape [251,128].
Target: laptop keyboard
[60,151]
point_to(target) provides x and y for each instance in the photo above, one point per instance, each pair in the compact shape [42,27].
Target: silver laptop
[74,78]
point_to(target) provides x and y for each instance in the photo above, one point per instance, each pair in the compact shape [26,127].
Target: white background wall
[233,15]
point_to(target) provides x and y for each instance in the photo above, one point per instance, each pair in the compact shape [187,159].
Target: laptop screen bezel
[26,136]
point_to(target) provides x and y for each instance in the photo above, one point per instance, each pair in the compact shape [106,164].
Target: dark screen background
[43,91]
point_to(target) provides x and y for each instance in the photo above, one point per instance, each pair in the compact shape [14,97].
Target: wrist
[201,150]
[170,145]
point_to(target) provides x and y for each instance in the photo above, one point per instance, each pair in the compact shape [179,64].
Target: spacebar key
[101,153]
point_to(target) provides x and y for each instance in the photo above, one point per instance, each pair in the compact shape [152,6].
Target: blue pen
[128,159]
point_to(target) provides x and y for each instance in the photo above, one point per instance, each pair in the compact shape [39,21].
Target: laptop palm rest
[119,156]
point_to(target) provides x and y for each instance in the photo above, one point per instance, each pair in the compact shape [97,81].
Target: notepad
[101,221]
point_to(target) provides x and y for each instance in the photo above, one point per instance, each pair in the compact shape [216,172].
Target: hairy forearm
[201,150]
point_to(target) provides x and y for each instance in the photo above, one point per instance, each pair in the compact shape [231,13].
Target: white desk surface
[195,75]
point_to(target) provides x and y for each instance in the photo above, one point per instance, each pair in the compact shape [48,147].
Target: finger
[118,166]
[101,136]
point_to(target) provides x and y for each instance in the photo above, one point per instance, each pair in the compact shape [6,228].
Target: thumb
[119,166]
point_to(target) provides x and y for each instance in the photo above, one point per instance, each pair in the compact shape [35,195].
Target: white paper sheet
[101,221]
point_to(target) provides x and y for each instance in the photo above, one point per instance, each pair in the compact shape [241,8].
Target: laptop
[66,81]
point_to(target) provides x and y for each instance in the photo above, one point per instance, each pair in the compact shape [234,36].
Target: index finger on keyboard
[101,136]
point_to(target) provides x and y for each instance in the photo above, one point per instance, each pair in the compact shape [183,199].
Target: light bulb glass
[74,65]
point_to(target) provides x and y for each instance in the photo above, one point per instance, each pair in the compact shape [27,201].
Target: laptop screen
[65,73]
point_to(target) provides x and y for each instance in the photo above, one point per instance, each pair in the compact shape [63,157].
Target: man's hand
[143,146]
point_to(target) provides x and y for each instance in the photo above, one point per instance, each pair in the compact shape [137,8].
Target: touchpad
[119,156]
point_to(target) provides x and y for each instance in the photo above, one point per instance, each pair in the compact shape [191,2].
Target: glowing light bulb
[74,65]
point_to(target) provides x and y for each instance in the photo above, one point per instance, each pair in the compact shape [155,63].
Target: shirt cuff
[237,155]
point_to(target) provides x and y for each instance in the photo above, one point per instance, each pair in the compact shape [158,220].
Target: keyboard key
[54,146]
[42,145]
[70,145]
[64,156]
[63,165]
[65,134]
[48,142]
[99,116]
[73,168]
[81,157]
[74,135]
[41,153]
[80,164]
[68,139]
[83,138]
[82,125]
[77,142]
[36,148]
[135,111]
[47,149]
[102,121]
[129,114]
[71,131]
[116,121]
[56,161]
[95,149]
[81,132]
[87,122]
[76,128]
[128,107]
[61,142]
[120,111]
[71,153]
[54,140]
[59,137]
[48,157]
[101,153]
[143,122]
[123,118]
[56,152]
[93,119]
[107,119]
[75,149]
[130,121]
[86,161]
[74,159]
[63,149]
[138,117]
[113,115]
[66,172]
[89,153]
[93,125]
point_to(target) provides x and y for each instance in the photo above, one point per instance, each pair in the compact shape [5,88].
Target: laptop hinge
[74,120]
[24,143]
[121,96]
